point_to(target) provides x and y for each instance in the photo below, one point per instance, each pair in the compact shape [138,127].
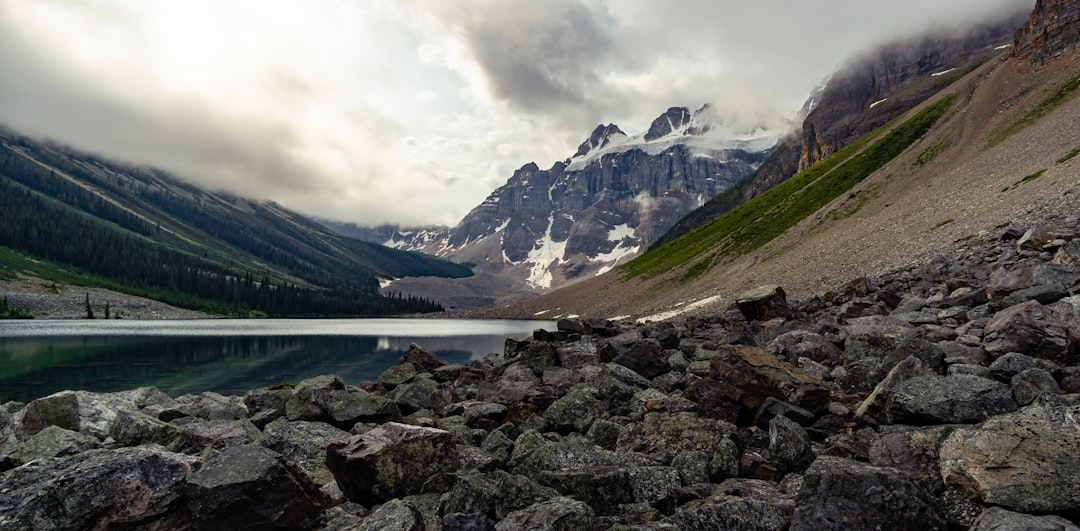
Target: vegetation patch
[932,152]
[1026,179]
[8,311]
[1069,156]
[758,221]
[1042,109]
[943,223]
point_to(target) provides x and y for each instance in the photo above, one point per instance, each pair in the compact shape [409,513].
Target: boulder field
[941,396]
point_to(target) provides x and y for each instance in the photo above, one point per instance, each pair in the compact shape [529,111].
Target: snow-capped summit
[601,137]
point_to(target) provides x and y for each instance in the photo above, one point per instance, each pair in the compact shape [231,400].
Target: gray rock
[1005,281]
[959,399]
[604,433]
[304,443]
[1031,329]
[123,488]
[874,408]
[578,354]
[558,514]
[393,460]
[1008,365]
[266,405]
[1030,384]
[215,434]
[664,436]
[763,303]
[344,408]
[54,441]
[421,393]
[998,519]
[845,494]
[749,374]
[913,450]
[494,495]
[576,411]
[797,344]
[394,515]
[1025,461]
[212,406]
[467,522]
[422,359]
[82,411]
[252,487]
[789,445]
[617,385]
[132,428]
[646,357]
[692,466]
[397,375]
[872,338]
[309,398]
[751,505]
[607,489]
[500,445]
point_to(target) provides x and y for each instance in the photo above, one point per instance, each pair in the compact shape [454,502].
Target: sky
[411,111]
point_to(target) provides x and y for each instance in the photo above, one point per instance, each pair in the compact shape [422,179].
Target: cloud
[411,111]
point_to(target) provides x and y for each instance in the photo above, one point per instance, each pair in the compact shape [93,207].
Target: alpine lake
[227,356]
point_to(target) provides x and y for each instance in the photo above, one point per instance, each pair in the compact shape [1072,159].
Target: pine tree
[89,310]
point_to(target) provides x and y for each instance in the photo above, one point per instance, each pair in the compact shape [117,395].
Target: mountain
[140,230]
[584,215]
[994,151]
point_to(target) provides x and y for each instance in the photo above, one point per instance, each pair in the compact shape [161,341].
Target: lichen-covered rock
[393,460]
[578,354]
[664,436]
[873,408]
[266,405]
[394,515]
[494,495]
[789,445]
[398,374]
[753,505]
[132,428]
[763,303]
[557,514]
[212,406]
[608,488]
[1029,384]
[82,411]
[214,434]
[135,488]
[845,494]
[803,344]
[54,441]
[750,374]
[249,487]
[958,399]
[304,443]
[309,398]
[1025,461]
[576,411]
[617,385]
[422,359]
[998,519]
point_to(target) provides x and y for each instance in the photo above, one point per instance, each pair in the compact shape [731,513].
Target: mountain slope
[141,228]
[951,183]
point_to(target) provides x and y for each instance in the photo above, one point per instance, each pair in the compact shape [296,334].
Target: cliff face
[875,88]
[1053,29]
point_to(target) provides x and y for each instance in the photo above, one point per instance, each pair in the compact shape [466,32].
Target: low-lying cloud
[411,111]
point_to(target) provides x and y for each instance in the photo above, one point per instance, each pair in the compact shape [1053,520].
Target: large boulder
[494,495]
[53,441]
[132,428]
[750,374]
[1025,461]
[665,436]
[998,519]
[576,411]
[126,488]
[392,461]
[251,487]
[753,505]
[956,399]
[841,493]
[83,411]
[1029,328]
[200,435]
[304,443]
[557,514]
[763,303]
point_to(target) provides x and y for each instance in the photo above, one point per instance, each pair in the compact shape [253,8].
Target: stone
[913,450]
[266,405]
[416,356]
[556,514]
[692,466]
[578,354]
[1009,365]
[617,386]
[608,488]
[132,428]
[752,505]
[1025,461]
[664,436]
[252,487]
[200,435]
[789,445]
[495,494]
[392,461]
[772,408]
[1029,328]
[576,411]
[1029,384]
[212,406]
[54,441]
[396,375]
[82,411]
[394,515]
[309,398]
[797,344]
[135,488]
[998,519]
[346,407]
[1004,281]
[763,303]
[873,408]
[304,443]
[750,374]
[421,393]
[467,522]
[960,399]
[841,493]
[645,357]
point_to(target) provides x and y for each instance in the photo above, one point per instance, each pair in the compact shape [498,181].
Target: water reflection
[32,366]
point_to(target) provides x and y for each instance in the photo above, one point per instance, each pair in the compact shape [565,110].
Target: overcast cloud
[411,111]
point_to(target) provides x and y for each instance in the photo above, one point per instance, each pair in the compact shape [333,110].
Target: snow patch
[943,72]
[664,316]
[546,255]
[878,102]
[620,232]
[385,282]
[541,312]
[1003,46]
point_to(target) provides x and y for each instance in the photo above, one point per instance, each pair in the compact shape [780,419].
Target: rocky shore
[943,396]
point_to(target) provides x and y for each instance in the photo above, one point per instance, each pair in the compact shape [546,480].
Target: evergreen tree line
[46,229]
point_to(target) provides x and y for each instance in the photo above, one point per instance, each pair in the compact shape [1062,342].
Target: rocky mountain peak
[674,119]
[1053,29]
[600,137]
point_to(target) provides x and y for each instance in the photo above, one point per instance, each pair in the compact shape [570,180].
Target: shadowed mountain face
[1053,29]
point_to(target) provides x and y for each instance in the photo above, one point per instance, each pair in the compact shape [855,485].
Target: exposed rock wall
[1053,29]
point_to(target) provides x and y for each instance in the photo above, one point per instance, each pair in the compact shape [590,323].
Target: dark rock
[494,495]
[53,441]
[1029,328]
[252,487]
[1008,365]
[872,338]
[663,436]
[215,434]
[844,494]
[1005,281]
[538,355]
[212,406]
[422,359]
[617,386]
[645,357]
[1025,461]
[692,466]
[749,374]
[763,303]
[913,450]
[421,393]
[1027,385]
[578,354]
[305,443]
[467,522]
[485,414]
[394,515]
[266,405]
[998,519]
[789,445]
[731,505]
[604,433]
[803,344]
[874,409]
[948,399]
[391,461]
[132,428]
[135,488]
[398,374]
[559,514]
[607,489]
[309,398]
[576,411]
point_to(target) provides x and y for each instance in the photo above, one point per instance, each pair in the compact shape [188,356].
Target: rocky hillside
[586,214]
[1000,154]
[943,396]
[1053,29]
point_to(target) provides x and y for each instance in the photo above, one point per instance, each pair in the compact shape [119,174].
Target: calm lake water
[227,356]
